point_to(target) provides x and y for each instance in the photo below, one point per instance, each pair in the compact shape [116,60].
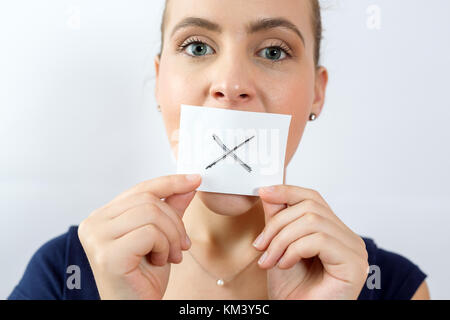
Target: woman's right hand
[131,241]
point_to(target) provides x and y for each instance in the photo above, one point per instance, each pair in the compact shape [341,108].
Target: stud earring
[312,117]
[159,108]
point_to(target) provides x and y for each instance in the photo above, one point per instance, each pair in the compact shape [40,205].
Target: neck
[220,233]
[223,233]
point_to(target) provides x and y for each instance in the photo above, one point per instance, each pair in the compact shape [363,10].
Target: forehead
[235,15]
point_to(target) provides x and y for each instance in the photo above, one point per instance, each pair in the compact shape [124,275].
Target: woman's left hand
[318,256]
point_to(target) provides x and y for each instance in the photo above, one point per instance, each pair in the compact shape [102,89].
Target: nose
[232,85]
[230,94]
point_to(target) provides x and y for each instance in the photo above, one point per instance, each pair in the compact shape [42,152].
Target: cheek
[171,122]
[296,130]
[176,86]
[295,98]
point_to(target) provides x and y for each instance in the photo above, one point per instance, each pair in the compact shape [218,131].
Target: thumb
[271,209]
[179,202]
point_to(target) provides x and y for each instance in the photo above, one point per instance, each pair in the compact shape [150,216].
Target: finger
[281,219]
[177,220]
[290,195]
[271,209]
[119,206]
[138,217]
[129,249]
[166,186]
[179,202]
[139,199]
[307,224]
[337,259]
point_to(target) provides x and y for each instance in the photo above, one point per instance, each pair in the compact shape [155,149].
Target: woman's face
[222,62]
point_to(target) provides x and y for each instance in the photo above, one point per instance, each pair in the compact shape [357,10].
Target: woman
[260,56]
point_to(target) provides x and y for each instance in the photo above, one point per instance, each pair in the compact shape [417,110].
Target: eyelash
[279,45]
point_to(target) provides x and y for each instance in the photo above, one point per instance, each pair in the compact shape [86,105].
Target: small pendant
[220,282]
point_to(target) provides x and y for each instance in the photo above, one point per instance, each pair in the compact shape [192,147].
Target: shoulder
[391,275]
[42,274]
[50,268]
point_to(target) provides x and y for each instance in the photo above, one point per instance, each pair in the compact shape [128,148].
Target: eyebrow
[252,27]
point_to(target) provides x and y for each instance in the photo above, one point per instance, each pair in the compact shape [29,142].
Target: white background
[77,127]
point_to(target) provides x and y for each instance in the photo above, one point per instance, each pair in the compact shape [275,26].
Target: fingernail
[258,240]
[188,241]
[263,257]
[192,177]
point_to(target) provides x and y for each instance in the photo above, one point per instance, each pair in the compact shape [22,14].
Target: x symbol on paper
[228,152]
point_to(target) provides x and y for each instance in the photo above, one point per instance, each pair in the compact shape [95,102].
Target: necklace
[221,281]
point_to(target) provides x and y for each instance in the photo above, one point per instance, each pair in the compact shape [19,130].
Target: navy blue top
[46,275]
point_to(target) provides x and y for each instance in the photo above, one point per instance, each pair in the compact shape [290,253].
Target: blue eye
[274,53]
[199,48]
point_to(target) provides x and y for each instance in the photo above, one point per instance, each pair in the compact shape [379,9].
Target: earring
[159,108]
[312,117]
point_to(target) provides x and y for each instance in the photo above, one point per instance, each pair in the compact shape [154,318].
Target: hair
[316,17]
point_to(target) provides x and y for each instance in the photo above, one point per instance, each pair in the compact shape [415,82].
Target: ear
[320,87]
[157,63]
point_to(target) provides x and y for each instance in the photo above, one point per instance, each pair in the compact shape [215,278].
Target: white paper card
[234,151]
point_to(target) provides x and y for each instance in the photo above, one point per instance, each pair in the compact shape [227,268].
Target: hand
[311,253]
[131,241]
